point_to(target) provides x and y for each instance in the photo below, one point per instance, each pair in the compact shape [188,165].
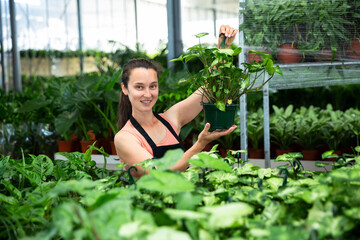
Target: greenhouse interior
[170,119]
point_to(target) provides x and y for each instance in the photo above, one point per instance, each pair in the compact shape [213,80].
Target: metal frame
[15,53]
[175,46]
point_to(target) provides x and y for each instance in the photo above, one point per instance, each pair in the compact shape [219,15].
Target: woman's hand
[229,33]
[206,137]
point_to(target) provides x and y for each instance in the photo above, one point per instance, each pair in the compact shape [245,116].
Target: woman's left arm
[186,110]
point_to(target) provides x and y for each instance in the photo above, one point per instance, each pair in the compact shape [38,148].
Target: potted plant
[335,129]
[255,130]
[282,129]
[222,82]
[308,135]
[353,45]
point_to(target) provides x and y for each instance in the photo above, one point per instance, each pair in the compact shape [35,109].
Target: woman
[145,134]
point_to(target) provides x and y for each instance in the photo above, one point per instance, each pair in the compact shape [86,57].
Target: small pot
[324,55]
[113,149]
[65,146]
[219,119]
[253,57]
[281,151]
[288,53]
[256,153]
[311,154]
[353,49]
[85,146]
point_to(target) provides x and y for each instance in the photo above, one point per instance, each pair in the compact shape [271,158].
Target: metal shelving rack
[301,75]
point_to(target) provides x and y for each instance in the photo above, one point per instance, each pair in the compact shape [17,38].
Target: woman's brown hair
[124,109]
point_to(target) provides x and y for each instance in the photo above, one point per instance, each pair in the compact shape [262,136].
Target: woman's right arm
[129,150]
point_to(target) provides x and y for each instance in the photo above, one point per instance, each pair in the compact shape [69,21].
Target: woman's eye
[139,87]
[153,86]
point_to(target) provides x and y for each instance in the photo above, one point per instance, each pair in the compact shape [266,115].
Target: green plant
[282,127]
[335,129]
[255,127]
[325,26]
[308,124]
[66,199]
[311,25]
[222,82]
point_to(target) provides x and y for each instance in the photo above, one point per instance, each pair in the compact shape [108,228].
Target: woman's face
[142,89]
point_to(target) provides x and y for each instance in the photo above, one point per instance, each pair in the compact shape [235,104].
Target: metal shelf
[304,75]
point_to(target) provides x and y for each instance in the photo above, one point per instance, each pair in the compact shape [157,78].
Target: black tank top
[158,151]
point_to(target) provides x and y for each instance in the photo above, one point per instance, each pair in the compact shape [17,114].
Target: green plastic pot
[219,119]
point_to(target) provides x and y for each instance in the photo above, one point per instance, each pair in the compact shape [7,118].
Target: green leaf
[237,51]
[34,104]
[357,148]
[65,120]
[221,177]
[11,188]
[187,201]
[165,182]
[220,105]
[33,177]
[230,215]
[177,214]
[227,51]
[168,234]
[199,35]
[170,158]
[264,172]
[8,199]
[42,165]
[205,160]
[290,157]
[328,154]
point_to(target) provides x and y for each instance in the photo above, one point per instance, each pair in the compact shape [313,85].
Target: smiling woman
[145,134]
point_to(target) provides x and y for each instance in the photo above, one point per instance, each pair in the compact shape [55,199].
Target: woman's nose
[147,92]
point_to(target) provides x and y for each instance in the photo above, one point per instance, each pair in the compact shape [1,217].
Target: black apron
[158,151]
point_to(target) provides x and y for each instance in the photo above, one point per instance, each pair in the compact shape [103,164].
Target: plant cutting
[222,82]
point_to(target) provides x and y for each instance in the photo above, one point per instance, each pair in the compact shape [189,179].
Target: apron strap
[167,124]
[142,132]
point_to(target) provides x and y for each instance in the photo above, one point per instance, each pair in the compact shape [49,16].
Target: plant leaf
[165,182]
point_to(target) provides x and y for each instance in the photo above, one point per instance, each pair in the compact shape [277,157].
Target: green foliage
[255,128]
[220,80]
[282,127]
[311,25]
[67,199]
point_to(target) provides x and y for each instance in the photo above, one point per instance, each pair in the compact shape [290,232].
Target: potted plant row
[301,30]
[222,82]
[312,130]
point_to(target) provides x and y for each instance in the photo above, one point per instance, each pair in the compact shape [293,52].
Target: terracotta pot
[256,153]
[311,154]
[337,152]
[105,143]
[91,135]
[353,49]
[253,57]
[65,146]
[324,55]
[113,149]
[76,146]
[85,146]
[288,53]
[281,151]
